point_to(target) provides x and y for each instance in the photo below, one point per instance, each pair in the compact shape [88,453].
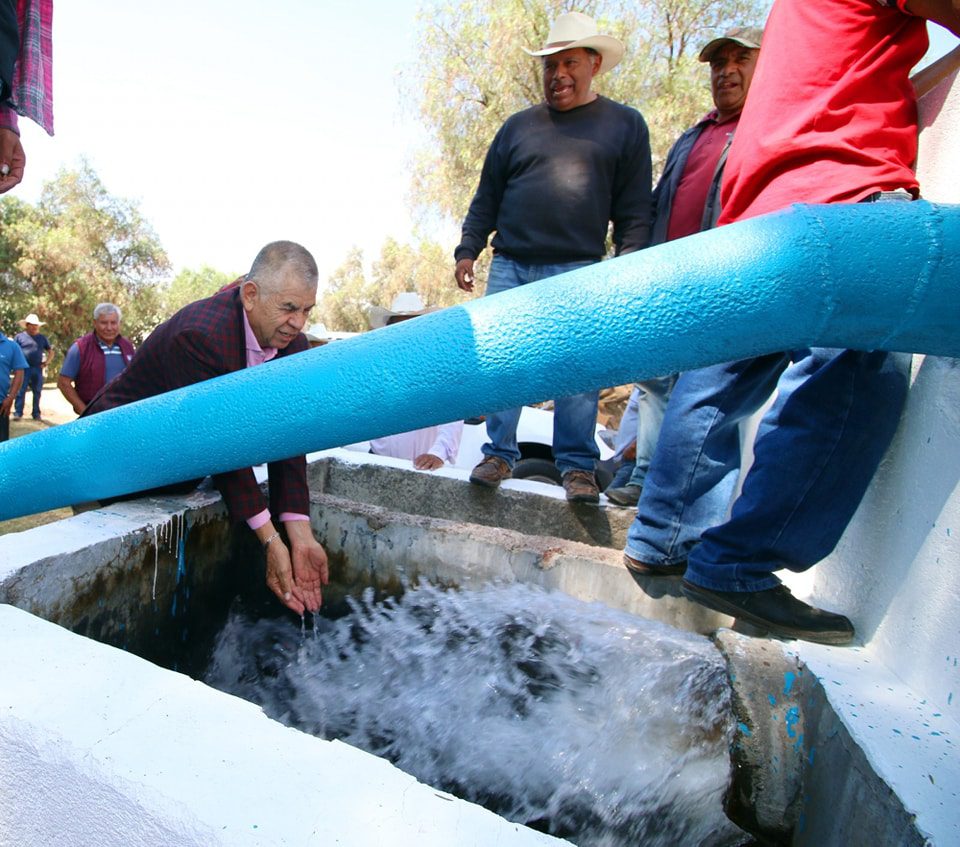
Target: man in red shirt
[831,118]
[685,201]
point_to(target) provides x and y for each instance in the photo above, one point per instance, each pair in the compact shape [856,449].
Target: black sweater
[552,181]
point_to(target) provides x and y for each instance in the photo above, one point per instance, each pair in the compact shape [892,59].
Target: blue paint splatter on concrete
[788,679]
[792,717]
[950,698]
[772,699]
[744,729]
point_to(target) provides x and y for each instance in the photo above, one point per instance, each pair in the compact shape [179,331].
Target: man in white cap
[685,201]
[430,447]
[37,351]
[554,177]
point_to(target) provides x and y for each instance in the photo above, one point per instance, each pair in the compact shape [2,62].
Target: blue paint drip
[181,561]
[744,729]
[810,757]
[788,679]
[950,698]
[792,717]
[772,699]
[799,743]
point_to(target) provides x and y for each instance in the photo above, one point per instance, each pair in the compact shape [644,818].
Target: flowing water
[576,719]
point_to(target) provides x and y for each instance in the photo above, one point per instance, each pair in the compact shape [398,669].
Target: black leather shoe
[643,569]
[625,495]
[777,611]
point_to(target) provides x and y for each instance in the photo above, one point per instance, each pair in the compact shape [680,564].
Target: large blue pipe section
[866,276]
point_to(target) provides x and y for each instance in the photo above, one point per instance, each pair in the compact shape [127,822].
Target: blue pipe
[866,276]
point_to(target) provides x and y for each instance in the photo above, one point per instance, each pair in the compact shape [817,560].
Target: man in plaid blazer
[258,318]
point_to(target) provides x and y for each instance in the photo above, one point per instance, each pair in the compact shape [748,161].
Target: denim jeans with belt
[574,417]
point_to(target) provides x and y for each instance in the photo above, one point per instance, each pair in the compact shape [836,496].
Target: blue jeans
[816,451]
[32,379]
[574,417]
[651,407]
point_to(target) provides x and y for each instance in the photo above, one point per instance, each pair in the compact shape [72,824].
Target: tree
[475,75]
[424,267]
[347,296]
[77,247]
[190,285]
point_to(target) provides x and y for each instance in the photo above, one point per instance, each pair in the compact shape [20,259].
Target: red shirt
[832,115]
[686,213]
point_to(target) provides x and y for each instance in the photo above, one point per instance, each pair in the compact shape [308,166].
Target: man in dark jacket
[685,201]
[244,325]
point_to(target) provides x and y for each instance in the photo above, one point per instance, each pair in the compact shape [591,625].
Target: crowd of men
[831,117]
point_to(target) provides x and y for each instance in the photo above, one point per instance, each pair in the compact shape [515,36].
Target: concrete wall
[99,747]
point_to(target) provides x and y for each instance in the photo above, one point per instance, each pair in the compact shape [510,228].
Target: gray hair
[277,257]
[102,309]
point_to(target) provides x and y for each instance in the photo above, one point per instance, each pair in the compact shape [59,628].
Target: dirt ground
[54,410]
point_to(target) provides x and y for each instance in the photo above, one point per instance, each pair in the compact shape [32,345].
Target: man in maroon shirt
[685,201]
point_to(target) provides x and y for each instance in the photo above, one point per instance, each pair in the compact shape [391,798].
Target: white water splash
[586,722]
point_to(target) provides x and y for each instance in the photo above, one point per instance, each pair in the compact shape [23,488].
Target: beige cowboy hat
[31,319]
[575,29]
[745,36]
[407,304]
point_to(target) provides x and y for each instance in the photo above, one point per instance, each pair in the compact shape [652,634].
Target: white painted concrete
[99,747]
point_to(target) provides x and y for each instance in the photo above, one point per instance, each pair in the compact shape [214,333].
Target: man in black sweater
[554,177]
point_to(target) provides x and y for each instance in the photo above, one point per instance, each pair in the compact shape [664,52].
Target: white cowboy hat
[407,304]
[31,319]
[575,29]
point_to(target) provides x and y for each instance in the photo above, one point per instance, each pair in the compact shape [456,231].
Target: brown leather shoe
[644,569]
[581,487]
[490,472]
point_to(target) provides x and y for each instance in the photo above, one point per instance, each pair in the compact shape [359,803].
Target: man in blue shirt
[37,351]
[12,363]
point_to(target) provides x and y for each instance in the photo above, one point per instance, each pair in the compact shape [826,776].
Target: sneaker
[490,472]
[626,495]
[777,611]
[642,568]
[581,487]
[17,417]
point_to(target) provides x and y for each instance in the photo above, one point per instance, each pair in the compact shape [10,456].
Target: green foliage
[77,247]
[425,268]
[190,285]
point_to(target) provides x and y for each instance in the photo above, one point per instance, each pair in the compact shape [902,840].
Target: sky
[234,123]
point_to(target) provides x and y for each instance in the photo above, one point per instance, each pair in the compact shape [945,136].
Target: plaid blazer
[204,340]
